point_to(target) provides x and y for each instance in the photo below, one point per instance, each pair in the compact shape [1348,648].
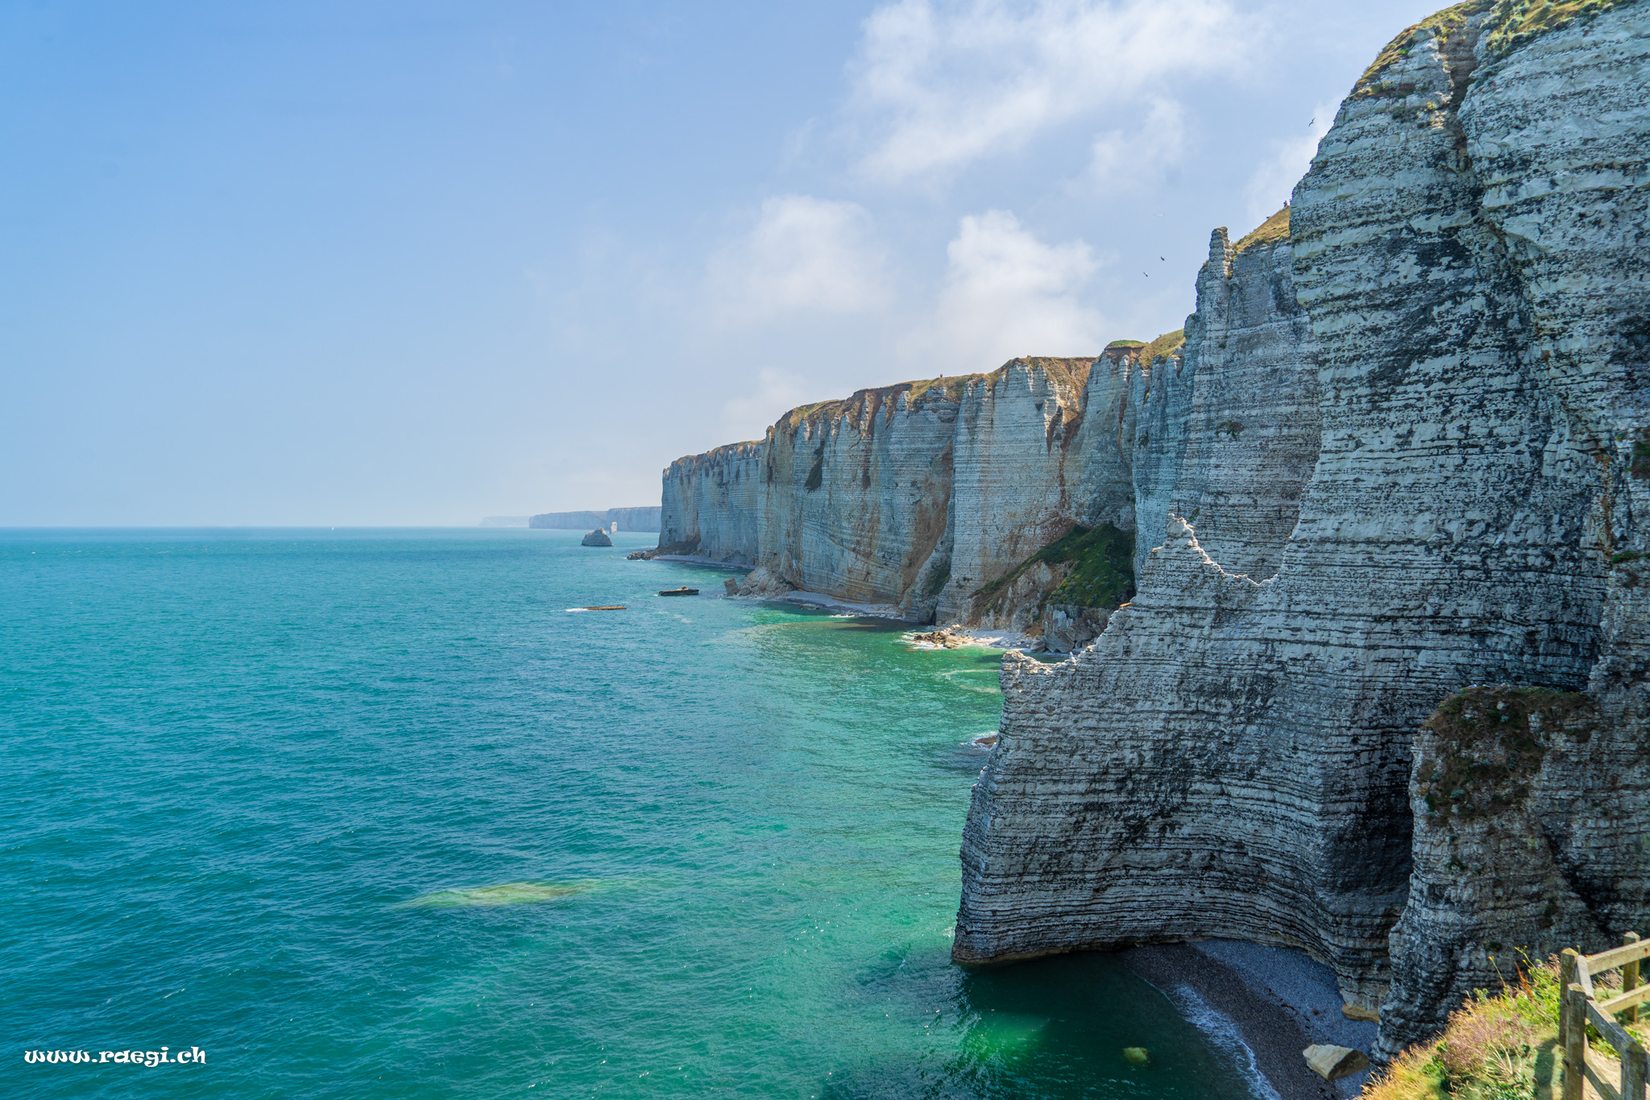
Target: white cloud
[775,393]
[1006,293]
[1272,182]
[803,255]
[937,86]
[1121,160]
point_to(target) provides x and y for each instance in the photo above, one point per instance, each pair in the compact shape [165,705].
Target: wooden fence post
[1633,1072]
[1575,1041]
[1566,978]
[1630,977]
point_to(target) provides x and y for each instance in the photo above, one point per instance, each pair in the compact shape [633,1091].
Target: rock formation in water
[1465,293]
[645,518]
[1383,688]
[598,537]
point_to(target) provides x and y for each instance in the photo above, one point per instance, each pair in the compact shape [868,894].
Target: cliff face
[1404,450]
[710,504]
[856,496]
[920,496]
[645,518]
[1445,357]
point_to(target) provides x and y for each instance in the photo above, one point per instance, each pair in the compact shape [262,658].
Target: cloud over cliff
[1006,293]
[802,254]
[936,87]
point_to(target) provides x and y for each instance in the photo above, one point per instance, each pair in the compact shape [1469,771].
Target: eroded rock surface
[1466,288]
[920,496]
[1404,450]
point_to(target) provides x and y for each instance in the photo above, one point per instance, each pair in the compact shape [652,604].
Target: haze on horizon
[416,263]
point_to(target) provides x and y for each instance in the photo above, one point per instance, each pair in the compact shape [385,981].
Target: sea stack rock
[598,537]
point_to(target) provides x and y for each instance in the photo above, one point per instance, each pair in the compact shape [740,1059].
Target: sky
[420,263]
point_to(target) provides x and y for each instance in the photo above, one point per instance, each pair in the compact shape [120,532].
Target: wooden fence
[1623,1080]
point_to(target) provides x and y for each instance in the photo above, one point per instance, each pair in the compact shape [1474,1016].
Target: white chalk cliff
[1383,688]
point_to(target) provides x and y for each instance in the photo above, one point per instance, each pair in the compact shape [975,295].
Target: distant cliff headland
[629,519]
[1361,558]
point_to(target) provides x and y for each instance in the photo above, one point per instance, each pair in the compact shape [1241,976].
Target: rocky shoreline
[1275,999]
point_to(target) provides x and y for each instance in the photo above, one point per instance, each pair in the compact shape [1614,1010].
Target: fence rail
[1622,1079]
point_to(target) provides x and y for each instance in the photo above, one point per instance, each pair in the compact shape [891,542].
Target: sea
[382,813]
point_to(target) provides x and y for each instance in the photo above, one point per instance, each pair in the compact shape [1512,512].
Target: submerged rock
[504,893]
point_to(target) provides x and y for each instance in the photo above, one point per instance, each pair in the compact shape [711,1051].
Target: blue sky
[410,263]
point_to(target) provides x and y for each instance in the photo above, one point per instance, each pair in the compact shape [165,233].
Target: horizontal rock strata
[1455,505]
[919,496]
[1402,449]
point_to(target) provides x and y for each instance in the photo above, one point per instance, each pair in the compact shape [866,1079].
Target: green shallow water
[372,814]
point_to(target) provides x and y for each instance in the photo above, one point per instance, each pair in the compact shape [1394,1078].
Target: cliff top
[1438,25]
[716,453]
[1270,231]
[1514,22]
[1509,24]
[1147,352]
[1164,346]
[1069,372]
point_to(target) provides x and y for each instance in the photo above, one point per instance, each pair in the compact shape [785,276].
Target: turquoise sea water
[371,814]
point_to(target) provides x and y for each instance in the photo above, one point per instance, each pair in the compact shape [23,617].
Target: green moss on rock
[1486,744]
[1099,573]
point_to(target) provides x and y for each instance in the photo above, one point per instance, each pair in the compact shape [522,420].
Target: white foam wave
[1223,1032]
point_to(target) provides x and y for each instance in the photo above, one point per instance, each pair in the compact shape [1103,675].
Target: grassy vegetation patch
[1439,25]
[1164,346]
[1497,1046]
[1485,747]
[1148,352]
[1101,573]
[1500,1045]
[1270,231]
[1514,22]
[860,404]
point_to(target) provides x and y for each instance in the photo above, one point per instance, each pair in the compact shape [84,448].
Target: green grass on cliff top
[1509,24]
[1514,22]
[1070,373]
[1438,25]
[1150,351]
[1270,231]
